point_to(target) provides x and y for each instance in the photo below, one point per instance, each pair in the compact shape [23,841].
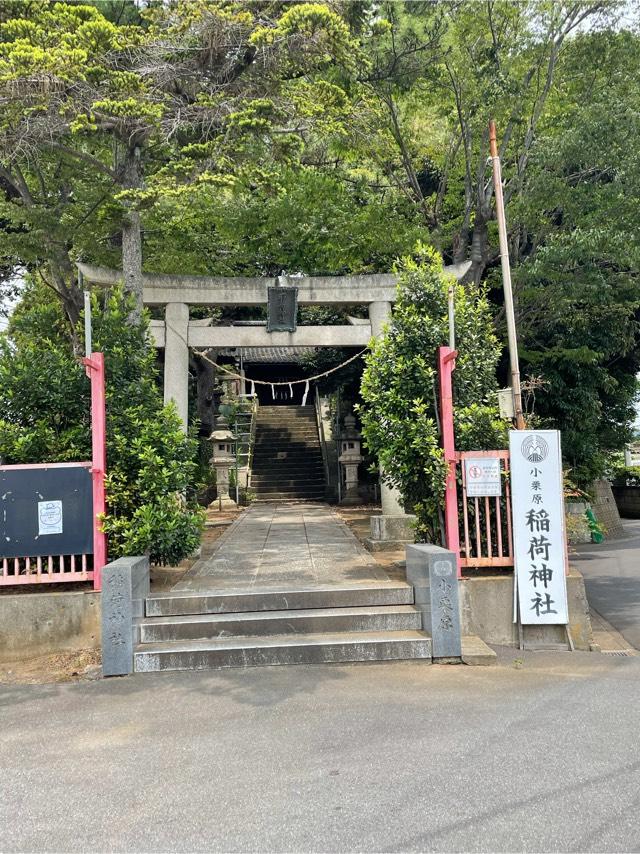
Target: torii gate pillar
[176,358]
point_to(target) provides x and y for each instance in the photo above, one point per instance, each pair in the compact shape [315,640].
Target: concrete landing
[283,546]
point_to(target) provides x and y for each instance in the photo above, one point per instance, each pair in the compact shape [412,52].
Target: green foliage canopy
[399,414]
[45,403]
[332,138]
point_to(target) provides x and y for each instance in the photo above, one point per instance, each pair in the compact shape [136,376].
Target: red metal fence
[478,530]
[52,568]
[44,569]
[484,524]
[72,567]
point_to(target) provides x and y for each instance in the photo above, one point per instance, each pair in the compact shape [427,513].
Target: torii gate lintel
[177,333]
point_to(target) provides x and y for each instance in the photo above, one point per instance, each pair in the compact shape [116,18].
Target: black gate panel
[46,511]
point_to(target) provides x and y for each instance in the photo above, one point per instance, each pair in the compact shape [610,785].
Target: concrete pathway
[540,753]
[282,545]
[612,579]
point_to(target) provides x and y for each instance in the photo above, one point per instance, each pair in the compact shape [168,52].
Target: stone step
[297,458]
[297,438]
[278,423]
[264,476]
[296,471]
[284,444]
[285,435]
[293,424]
[291,458]
[264,481]
[331,648]
[301,475]
[286,469]
[262,486]
[288,424]
[290,439]
[296,407]
[277,420]
[312,502]
[287,411]
[292,495]
[286,464]
[285,431]
[267,492]
[246,600]
[282,455]
[300,449]
[285,452]
[281,429]
[377,618]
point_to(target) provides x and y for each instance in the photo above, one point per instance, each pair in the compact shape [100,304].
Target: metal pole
[94,365]
[446,364]
[338,445]
[237,451]
[506,280]
[452,319]
[88,345]
[87,324]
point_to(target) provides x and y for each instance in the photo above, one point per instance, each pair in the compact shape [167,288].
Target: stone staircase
[373,621]
[287,456]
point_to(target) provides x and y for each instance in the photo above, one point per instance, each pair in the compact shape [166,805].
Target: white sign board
[49,517]
[539,536]
[482,477]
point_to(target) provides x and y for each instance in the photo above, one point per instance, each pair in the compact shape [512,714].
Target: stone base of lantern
[391,532]
[350,497]
[224,502]
[350,493]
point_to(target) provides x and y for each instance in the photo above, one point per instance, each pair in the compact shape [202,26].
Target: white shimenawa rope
[290,383]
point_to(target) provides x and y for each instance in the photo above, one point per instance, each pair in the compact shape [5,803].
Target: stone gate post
[394,525]
[176,358]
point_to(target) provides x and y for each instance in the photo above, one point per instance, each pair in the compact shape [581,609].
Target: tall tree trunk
[479,248]
[205,380]
[61,275]
[132,234]
[64,282]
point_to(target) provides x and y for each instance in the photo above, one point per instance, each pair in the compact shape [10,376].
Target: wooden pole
[506,280]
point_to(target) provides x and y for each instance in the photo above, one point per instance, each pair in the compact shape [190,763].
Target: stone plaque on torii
[282,308]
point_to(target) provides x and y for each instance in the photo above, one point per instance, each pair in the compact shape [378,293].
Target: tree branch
[86,158]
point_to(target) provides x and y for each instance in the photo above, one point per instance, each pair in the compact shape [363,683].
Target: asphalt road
[612,579]
[533,755]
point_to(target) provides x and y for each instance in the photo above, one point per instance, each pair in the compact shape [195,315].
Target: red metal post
[446,365]
[95,371]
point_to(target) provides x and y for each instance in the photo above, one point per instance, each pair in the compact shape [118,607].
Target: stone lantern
[350,457]
[222,459]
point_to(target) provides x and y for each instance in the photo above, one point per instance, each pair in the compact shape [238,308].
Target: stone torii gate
[176,334]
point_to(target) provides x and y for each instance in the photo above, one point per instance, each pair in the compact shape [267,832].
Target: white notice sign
[482,476]
[49,517]
[539,537]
